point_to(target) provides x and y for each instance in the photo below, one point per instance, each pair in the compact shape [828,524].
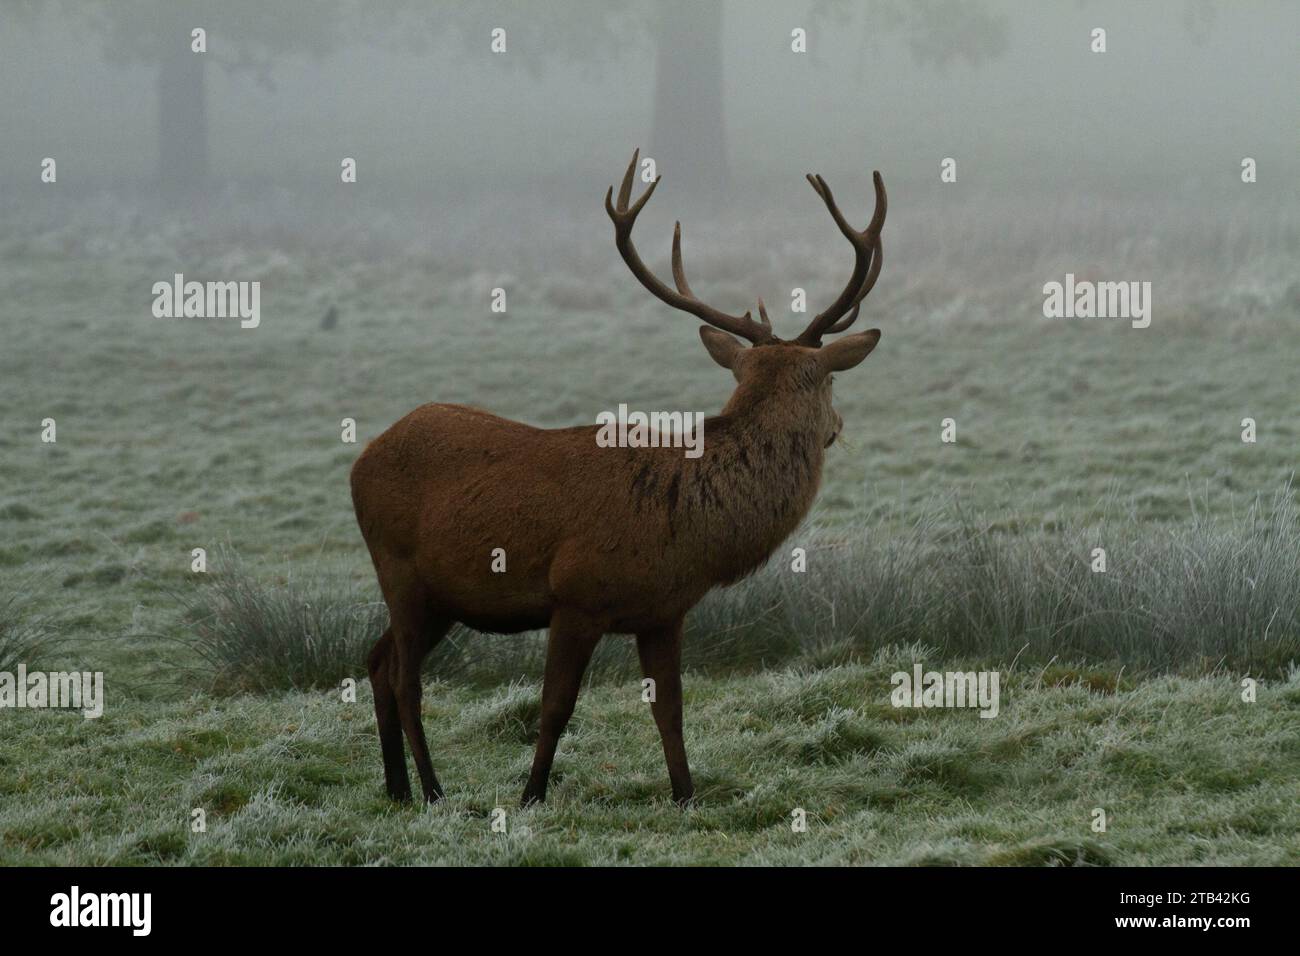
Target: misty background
[453,140]
[415,93]
[479,170]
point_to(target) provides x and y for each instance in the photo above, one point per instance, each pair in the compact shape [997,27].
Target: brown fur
[598,540]
[615,540]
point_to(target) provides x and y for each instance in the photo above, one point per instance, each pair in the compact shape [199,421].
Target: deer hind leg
[383,669]
[661,660]
[415,633]
[572,639]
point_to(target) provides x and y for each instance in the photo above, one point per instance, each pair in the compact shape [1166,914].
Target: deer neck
[754,484]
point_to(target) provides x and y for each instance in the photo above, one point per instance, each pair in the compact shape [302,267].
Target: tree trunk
[689,139]
[182,113]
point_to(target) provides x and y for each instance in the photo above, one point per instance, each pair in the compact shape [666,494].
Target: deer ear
[849,351]
[721,346]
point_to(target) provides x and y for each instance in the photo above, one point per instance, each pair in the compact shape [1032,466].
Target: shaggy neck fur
[728,510]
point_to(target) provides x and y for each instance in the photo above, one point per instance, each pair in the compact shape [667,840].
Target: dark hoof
[530,799]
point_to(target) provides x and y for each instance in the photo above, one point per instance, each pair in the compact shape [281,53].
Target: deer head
[793,377]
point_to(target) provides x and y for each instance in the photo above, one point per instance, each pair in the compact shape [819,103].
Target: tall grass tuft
[1189,598]
[26,637]
[255,632]
[1206,595]
[252,635]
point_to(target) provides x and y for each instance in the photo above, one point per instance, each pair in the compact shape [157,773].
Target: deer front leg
[572,639]
[661,660]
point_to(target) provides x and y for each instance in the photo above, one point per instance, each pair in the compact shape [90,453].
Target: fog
[484,137]
[416,95]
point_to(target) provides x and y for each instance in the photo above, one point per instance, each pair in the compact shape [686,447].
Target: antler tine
[866,265]
[882,204]
[624,218]
[762,313]
[622,214]
[625,190]
[824,191]
[843,324]
[679,274]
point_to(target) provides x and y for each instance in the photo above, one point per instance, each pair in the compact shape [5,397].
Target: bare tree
[243,36]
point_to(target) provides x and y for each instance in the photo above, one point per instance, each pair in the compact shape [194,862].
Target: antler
[870,281]
[866,266]
[624,218]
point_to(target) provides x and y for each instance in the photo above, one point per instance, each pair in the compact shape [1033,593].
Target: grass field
[1185,772]
[184,434]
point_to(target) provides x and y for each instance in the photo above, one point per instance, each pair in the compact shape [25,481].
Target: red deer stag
[599,539]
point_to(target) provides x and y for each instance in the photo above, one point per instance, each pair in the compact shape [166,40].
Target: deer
[599,540]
